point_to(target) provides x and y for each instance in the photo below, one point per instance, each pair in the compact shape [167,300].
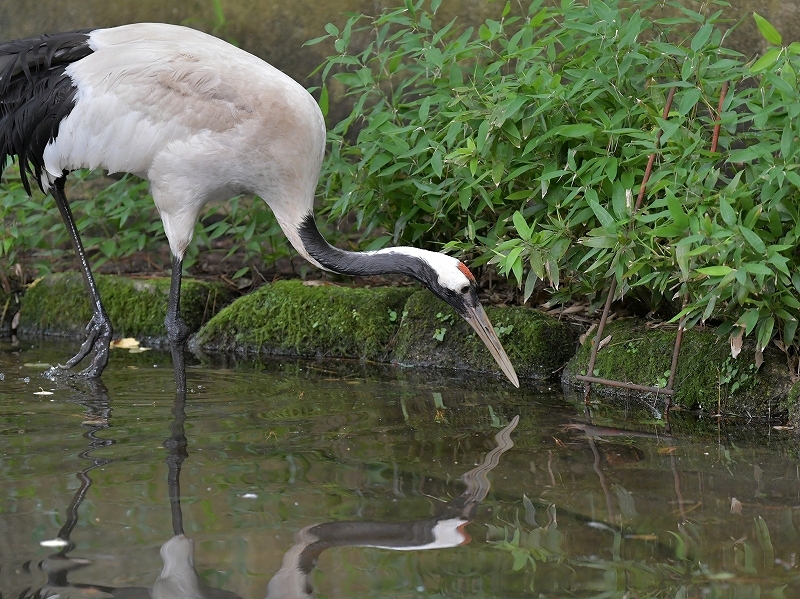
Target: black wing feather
[36,94]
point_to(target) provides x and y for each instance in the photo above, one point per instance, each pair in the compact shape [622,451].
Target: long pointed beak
[477,319]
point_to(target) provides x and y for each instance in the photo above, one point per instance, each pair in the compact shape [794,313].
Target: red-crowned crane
[201,120]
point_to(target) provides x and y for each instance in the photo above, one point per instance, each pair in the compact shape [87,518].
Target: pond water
[336,479]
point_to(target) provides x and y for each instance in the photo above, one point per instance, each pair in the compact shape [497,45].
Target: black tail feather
[36,94]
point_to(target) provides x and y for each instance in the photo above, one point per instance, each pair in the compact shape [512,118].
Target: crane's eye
[465,289]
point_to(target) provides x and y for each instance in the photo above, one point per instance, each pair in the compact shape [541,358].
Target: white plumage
[195,116]
[201,120]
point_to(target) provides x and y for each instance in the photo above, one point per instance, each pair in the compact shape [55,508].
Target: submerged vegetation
[522,144]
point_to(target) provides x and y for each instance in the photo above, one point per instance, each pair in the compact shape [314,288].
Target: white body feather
[197,117]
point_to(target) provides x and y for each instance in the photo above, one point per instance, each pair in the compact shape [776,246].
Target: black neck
[360,263]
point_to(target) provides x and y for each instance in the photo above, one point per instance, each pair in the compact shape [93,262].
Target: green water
[298,475]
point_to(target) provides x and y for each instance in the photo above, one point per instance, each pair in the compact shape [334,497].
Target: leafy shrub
[524,142]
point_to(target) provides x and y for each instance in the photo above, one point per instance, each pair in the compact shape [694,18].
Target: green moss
[59,305]
[706,378]
[432,334]
[792,404]
[290,318]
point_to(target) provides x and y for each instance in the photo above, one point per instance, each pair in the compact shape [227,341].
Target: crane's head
[452,281]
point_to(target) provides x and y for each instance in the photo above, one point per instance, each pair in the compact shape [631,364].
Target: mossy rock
[290,318]
[432,334]
[792,404]
[707,377]
[59,305]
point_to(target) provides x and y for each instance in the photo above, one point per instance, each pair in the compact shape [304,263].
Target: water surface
[328,479]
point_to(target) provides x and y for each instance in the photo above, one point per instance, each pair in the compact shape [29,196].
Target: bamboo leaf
[727,212]
[679,217]
[689,100]
[701,37]
[715,271]
[766,61]
[530,285]
[579,130]
[767,30]
[789,330]
[766,328]
[754,240]
[601,213]
[521,225]
[748,320]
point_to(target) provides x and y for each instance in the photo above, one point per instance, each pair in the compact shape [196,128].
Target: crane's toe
[98,339]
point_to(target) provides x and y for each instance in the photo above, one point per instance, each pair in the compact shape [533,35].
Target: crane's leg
[98,331]
[177,331]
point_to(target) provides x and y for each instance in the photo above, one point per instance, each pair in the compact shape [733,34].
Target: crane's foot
[98,339]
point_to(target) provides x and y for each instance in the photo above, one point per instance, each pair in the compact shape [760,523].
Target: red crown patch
[463,268]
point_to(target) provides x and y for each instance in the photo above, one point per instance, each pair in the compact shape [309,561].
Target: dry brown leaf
[582,338]
[574,309]
[736,506]
[126,343]
[604,342]
[736,342]
[35,282]
[646,537]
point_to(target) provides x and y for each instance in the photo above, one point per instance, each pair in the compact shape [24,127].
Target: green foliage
[524,142]
[444,318]
[529,543]
[120,219]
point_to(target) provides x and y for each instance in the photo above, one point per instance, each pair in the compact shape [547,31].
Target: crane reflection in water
[179,578]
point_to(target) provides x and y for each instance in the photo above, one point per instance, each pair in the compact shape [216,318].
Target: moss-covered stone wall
[707,377]
[290,318]
[403,325]
[432,334]
[59,305]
